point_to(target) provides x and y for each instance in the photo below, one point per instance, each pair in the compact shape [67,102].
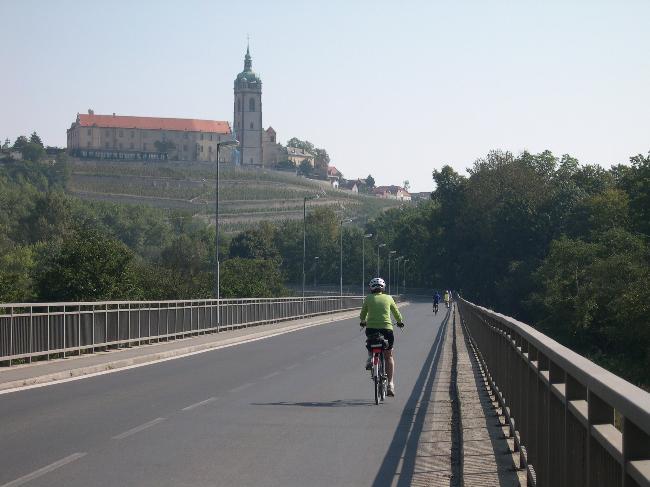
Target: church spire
[248,63]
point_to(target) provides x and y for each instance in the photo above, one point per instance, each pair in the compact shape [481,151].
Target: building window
[201,136]
[186,135]
[88,145]
[132,133]
[251,160]
[210,148]
[120,145]
[107,144]
[211,136]
[251,125]
[131,146]
[238,105]
[144,146]
[185,147]
[251,105]
[121,133]
[89,132]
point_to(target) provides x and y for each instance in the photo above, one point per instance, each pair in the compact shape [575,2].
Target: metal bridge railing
[30,330]
[574,423]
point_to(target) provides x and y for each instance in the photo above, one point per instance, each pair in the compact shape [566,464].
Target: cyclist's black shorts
[388,335]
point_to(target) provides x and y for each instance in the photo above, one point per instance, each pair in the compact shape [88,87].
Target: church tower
[247,121]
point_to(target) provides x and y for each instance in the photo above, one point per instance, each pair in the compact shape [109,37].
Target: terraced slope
[248,196]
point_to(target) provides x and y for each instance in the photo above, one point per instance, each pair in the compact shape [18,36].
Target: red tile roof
[153,123]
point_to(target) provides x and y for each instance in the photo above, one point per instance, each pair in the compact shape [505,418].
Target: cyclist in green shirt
[375,316]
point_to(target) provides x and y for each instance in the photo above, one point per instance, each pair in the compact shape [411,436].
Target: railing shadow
[405,440]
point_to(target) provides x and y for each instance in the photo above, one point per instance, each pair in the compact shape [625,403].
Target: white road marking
[272,374]
[242,387]
[198,404]
[291,367]
[137,429]
[42,471]
[128,367]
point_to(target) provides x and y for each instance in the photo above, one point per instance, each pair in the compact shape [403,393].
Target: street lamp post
[363,263]
[390,253]
[347,220]
[404,272]
[378,247]
[304,244]
[315,267]
[398,260]
[225,143]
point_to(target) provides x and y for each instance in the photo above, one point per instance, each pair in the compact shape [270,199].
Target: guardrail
[574,423]
[30,330]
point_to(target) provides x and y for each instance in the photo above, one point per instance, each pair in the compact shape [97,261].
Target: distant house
[349,186]
[334,176]
[423,195]
[272,152]
[392,193]
[297,156]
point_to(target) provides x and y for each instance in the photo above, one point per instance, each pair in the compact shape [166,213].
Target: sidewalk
[43,372]
[461,440]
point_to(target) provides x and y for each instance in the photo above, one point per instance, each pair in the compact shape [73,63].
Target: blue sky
[395,89]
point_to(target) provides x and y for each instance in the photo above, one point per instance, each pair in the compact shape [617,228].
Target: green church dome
[248,75]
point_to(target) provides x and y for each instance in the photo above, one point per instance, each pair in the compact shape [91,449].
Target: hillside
[248,196]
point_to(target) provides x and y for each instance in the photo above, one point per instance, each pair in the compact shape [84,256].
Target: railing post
[11,334]
[31,333]
[636,446]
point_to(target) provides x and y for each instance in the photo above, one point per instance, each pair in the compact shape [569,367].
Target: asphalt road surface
[292,410]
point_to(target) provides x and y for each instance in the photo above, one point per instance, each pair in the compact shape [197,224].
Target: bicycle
[435,308]
[377,344]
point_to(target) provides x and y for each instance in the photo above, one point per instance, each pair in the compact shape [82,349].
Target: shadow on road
[325,404]
[405,440]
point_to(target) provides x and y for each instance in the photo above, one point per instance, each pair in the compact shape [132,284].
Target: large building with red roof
[154,138]
[127,137]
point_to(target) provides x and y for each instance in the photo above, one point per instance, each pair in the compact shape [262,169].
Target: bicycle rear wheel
[377,381]
[382,378]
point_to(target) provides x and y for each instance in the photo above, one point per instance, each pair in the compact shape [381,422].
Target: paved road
[291,410]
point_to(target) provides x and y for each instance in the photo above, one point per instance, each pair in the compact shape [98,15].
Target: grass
[248,196]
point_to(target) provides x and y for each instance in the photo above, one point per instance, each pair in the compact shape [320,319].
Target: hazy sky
[394,89]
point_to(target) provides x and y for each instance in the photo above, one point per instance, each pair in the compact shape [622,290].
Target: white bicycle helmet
[377,283]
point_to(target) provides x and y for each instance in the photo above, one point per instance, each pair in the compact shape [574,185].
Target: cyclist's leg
[390,360]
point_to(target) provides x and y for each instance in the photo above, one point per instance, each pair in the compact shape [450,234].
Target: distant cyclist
[375,316]
[436,301]
[447,298]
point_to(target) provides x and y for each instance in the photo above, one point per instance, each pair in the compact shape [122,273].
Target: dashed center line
[42,471]
[272,374]
[137,429]
[242,387]
[198,404]
[291,367]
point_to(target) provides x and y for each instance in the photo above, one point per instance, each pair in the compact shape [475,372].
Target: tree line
[554,243]
[559,245]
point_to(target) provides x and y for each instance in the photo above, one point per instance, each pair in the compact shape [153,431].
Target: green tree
[370,182]
[16,268]
[305,168]
[20,142]
[88,265]
[301,144]
[258,243]
[248,278]
[35,139]
[33,152]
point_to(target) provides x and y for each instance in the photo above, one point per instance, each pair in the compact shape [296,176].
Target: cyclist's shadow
[405,440]
[319,404]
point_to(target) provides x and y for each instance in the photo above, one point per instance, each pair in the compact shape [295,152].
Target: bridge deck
[273,403]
